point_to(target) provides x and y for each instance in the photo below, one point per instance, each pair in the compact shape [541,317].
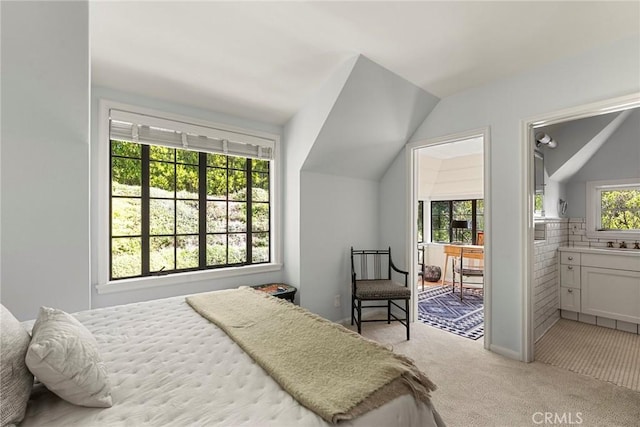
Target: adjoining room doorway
[449,233]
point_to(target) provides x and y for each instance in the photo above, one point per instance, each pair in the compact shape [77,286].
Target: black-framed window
[443,212]
[175,210]
[420,221]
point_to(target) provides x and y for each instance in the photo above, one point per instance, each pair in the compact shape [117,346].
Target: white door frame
[527,127]
[412,196]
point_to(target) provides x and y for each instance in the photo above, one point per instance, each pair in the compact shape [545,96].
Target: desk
[454,251]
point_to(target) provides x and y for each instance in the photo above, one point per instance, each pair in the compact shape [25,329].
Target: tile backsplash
[578,236]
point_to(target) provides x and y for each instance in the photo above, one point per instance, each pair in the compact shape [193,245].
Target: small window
[613,209]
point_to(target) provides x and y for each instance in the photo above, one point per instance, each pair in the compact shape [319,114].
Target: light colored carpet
[480,388]
[603,353]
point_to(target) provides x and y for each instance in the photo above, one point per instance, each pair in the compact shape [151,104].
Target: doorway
[449,188]
[564,201]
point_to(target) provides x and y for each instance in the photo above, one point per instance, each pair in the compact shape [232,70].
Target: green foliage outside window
[445,211]
[174,210]
[620,210]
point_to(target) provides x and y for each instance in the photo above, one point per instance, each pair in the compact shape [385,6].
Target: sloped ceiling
[373,117]
[578,141]
[263,60]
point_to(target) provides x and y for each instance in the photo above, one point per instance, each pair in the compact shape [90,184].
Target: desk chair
[463,269]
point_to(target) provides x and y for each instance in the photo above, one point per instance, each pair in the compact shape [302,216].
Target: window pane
[237,216]
[216,249]
[218,160]
[187,252]
[260,187]
[125,149]
[126,177]
[187,156]
[187,216]
[126,217]
[620,209]
[237,185]
[161,153]
[237,248]
[260,165]
[216,217]
[216,184]
[260,247]
[162,179]
[162,256]
[440,221]
[162,216]
[126,257]
[187,182]
[260,217]
[237,163]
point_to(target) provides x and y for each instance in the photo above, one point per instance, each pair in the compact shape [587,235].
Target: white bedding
[170,366]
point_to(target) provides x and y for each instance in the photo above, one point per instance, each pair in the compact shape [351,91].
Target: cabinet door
[570,276]
[611,293]
[570,299]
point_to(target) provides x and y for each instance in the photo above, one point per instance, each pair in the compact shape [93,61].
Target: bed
[168,365]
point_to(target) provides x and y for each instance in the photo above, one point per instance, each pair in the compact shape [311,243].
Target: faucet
[623,245]
[609,244]
[636,245]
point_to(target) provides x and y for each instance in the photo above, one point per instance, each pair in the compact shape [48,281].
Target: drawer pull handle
[570,258]
[570,267]
[570,291]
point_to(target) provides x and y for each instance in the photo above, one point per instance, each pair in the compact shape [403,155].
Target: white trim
[102,245]
[527,127]
[593,211]
[412,149]
[127,285]
[505,352]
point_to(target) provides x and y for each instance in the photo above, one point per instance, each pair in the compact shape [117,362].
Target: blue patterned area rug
[438,307]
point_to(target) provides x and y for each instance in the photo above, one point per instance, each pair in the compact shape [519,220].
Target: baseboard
[369,314]
[547,329]
[505,352]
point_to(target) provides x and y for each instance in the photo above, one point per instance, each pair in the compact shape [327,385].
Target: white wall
[103,300]
[458,177]
[619,158]
[606,72]
[300,134]
[336,213]
[45,153]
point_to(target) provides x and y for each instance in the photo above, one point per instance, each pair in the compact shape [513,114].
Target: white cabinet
[611,293]
[600,282]
[570,299]
[570,281]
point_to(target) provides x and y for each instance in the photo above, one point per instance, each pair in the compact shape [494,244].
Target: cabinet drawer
[570,258]
[570,276]
[570,299]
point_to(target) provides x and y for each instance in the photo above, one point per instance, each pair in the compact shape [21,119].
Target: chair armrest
[406,273]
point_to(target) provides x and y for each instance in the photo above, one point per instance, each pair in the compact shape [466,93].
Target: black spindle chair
[371,280]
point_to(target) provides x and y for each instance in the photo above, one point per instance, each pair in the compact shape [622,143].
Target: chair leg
[388,312]
[353,308]
[406,306]
[359,322]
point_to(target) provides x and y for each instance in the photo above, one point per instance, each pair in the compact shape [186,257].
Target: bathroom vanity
[601,282]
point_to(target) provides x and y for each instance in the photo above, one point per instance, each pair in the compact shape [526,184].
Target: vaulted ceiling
[264,60]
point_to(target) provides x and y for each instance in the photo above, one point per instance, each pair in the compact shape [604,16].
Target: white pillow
[16,380]
[64,356]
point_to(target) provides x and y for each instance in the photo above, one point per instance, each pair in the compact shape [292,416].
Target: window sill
[139,283]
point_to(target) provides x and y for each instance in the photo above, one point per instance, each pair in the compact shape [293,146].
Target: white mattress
[170,366]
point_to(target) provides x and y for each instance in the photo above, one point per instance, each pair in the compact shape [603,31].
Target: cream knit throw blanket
[327,368]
